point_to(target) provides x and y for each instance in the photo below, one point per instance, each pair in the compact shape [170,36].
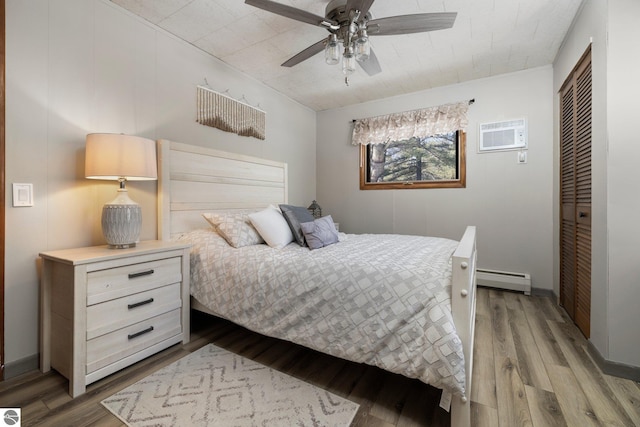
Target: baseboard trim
[613,368]
[508,280]
[22,366]
[543,292]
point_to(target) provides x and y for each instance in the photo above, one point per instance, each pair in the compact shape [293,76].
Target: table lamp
[120,158]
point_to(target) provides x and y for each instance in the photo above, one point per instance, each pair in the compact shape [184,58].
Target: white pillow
[272,227]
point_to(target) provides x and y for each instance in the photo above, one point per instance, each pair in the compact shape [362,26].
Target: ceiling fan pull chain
[346,80]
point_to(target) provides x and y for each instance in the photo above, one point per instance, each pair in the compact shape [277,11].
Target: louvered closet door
[575,194]
[568,200]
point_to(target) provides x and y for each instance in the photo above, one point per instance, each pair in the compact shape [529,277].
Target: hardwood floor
[531,368]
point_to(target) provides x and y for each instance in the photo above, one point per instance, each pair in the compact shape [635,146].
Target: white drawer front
[117,313]
[110,348]
[104,285]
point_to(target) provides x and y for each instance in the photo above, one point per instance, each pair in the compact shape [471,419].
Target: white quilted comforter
[384,300]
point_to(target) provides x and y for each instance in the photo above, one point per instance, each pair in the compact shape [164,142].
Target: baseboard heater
[504,280]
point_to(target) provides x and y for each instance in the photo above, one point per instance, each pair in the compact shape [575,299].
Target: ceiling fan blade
[293,13]
[362,5]
[407,24]
[371,65]
[314,49]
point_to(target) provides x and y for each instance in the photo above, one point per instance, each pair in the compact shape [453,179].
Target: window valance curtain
[416,123]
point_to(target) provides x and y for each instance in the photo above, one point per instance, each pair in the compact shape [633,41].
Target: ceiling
[489,37]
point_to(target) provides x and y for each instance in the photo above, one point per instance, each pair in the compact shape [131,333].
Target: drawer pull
[142,273]
[138,304]
[137,334]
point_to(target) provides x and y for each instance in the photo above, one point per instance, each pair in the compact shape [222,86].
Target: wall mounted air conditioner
[506,135]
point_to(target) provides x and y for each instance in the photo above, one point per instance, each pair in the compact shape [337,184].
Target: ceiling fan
[350,24]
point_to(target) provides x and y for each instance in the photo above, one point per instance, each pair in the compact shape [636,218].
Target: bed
[195,180]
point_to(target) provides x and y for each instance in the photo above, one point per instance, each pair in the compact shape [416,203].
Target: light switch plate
[22,195]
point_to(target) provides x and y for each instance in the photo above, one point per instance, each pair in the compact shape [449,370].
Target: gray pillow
[294,216]
[320,232]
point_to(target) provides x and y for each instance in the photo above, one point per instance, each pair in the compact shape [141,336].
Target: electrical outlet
[522,157]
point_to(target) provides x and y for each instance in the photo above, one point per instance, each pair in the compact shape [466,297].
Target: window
[436,161]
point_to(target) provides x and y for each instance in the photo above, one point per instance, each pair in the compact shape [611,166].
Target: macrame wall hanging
[225,113]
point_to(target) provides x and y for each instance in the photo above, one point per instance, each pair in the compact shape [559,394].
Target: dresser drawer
[117,313]
[104,285]
[116,345]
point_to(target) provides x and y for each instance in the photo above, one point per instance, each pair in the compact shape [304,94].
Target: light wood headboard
[193,180]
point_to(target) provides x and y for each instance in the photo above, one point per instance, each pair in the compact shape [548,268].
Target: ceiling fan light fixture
[349,23]
[348,61]
[362,46]
[332,50]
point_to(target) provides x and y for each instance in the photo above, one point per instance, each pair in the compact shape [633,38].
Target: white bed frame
[193,180]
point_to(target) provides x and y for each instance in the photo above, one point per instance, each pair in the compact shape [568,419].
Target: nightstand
[104,309]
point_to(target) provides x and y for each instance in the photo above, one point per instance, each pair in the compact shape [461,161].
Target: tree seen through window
[431,158]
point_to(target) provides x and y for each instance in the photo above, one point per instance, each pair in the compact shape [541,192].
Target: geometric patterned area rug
[214,387]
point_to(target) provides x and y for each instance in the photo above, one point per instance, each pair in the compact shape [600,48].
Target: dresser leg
[45,316]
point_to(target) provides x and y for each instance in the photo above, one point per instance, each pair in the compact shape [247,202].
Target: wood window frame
[461,182]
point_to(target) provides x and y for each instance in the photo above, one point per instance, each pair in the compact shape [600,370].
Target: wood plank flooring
[531,369]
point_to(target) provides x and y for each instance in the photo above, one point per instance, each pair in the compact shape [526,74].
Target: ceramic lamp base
[121,222]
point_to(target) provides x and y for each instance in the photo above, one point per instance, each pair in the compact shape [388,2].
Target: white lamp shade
[113,156]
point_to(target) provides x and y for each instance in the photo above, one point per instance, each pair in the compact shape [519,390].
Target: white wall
[80,66]
[615,270]
[589,27]
[623,184]
[510,203]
